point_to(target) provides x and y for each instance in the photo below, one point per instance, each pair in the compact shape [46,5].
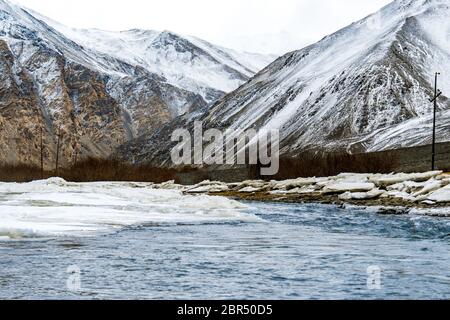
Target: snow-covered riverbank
[55,207]
[427,192]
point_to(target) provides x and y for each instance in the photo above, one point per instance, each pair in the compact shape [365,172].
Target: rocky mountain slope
[364,88]
[100,89]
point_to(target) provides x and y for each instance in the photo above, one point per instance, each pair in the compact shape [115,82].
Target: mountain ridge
[96,100]
[363,88]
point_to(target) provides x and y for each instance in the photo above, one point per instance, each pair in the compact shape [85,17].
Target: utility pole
[76,158]
[57,151]
[437,93]
[42,155]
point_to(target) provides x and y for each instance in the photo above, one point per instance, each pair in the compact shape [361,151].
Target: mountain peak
[6,5]
[167,38]
[103,87]
[365,87]
[406,5]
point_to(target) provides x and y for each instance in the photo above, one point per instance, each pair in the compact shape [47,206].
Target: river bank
[427,192]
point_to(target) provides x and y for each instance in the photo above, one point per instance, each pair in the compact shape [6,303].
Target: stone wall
[415,159]
[418,159]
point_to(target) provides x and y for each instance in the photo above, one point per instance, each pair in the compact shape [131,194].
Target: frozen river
[62,240]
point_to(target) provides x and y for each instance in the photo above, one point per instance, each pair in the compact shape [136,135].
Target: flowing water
[61,240]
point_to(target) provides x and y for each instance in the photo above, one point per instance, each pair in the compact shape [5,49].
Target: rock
[393,211]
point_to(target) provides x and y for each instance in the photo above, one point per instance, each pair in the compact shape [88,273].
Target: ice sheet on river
[55,207]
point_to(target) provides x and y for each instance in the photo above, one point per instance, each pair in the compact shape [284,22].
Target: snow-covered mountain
[101,88]
[184,61]
[364,88]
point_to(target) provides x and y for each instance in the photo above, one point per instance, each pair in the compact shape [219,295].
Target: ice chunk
[430,186]
[388,180]
[208,186]
[399,195]
[43,209]
[169,185]
[252,183]
[372,194]
[341,187]
[352,177]
[208,189]
[440,196]
[250,189]
[291,184]
[304,190]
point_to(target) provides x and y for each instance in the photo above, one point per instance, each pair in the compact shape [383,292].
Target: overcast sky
[266,26]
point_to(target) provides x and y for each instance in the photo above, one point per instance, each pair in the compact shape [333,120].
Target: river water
[61,240]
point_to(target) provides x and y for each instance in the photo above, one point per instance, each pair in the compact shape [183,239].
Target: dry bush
[91,170]
[330,164]
[20,173]
[306,165]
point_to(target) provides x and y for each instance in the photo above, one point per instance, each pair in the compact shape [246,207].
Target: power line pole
[437,93]
[57,151]
[42,155]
